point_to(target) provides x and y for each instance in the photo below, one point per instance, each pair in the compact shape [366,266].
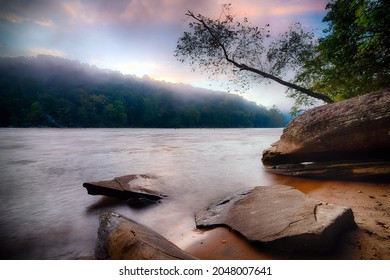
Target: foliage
[353,57]
[244,53]
[49,91]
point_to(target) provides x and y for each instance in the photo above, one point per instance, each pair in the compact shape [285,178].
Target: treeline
[55,92]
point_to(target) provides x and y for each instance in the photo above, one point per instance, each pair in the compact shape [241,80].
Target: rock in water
[280,216]
[122,239]
[129,188]
[348,139]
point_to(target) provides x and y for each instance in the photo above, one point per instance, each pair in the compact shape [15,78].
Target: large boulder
[280,216]
[348,139]
[123,239]
[135,189]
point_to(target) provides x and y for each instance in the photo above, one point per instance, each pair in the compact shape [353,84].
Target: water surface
[45,213]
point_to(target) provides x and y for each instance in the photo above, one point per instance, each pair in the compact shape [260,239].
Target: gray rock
[131,188]
[122,239]
[280,216]
[348,139]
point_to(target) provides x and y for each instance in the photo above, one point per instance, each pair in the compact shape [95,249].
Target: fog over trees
[56,92]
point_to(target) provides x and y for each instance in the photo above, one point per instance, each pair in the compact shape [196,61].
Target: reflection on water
[45,213]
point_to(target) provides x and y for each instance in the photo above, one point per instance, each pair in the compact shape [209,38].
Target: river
[45,213]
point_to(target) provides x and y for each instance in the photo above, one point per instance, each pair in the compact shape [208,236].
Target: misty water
[45,213]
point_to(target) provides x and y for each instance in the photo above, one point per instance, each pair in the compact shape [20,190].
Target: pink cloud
[267,9]
[94,12]
[11,17]
[141,11]
[278,13]
[80,12]
[165,10]
[299,7]
[44,22]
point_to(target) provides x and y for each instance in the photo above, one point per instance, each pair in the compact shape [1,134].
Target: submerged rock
[280,216]
[348,139]
[123,239]
[135,189]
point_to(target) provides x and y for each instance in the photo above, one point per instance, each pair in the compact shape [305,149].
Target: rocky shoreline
[363,233]
[278,217]
[370,204]
[296,218]
[346,140]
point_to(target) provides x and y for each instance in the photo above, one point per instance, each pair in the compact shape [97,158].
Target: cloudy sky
[138,36]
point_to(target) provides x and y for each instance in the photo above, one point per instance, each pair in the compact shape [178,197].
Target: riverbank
[370,203]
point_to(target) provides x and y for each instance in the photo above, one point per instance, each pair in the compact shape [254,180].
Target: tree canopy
[351,58]
[224,46]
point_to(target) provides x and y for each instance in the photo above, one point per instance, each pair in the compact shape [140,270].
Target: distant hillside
[56,92]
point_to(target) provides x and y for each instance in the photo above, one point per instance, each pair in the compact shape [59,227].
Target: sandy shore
[370,203]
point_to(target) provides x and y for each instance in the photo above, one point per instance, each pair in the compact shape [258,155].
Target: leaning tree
[243,53]
[352,57]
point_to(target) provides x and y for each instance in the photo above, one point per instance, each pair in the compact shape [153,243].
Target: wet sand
[370,203]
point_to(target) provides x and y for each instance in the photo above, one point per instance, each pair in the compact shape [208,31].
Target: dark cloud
[30,10]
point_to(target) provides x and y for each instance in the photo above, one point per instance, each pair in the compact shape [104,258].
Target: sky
[138,37]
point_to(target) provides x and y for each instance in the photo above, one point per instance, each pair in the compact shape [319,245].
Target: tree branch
[242,66]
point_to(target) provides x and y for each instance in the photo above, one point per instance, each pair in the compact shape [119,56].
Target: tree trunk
[308,92]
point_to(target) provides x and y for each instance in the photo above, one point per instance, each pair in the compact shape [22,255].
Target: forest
[48,91]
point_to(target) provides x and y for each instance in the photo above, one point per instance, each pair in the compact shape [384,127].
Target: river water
[45,213]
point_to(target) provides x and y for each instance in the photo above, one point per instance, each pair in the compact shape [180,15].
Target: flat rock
[129,188]
[120,238]
[281,217]
[342,169]
[348,139]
